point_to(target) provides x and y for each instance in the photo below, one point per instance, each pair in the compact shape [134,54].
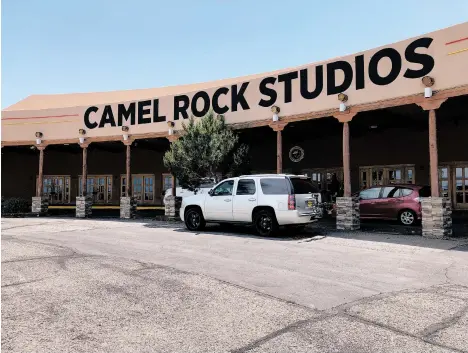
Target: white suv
[266,201]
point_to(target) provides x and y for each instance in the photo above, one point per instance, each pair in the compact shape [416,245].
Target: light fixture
[125,132]
[428,81]
[171,125]
[373,126]
[38,138]
[343,98]
[275,110]
[82,132]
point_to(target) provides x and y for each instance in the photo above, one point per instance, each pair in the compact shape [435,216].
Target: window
[303,186]
[246,187]
[99,187]
[274,186]
[406,192]
[461,185]
[386,174]
[370,194]
[142,187]
[391,191]
[56,188]
[224,189]
[444,181]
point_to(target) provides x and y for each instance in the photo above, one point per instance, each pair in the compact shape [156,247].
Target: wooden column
[345,118]
[279,127]
[128,187]
[171,139]
[84,173]
[346,161]
[431,105]
[40,178]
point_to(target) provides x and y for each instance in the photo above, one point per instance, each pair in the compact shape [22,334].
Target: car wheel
[194,219]
[407,217]
[265,223]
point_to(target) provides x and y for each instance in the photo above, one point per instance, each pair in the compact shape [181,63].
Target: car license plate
[310,204]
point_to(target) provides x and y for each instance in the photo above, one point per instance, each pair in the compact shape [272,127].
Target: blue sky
[57,46]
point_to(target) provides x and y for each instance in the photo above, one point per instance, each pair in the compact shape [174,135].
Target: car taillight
[291,202]
[417,199]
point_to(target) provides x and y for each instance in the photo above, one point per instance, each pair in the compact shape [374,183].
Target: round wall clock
[296,154]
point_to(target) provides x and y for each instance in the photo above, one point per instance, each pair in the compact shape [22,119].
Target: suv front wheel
[265,223]
[194,219]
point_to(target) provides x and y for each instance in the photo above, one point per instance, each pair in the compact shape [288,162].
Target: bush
[15,205]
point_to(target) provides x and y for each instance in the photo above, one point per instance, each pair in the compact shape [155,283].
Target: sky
[67,46]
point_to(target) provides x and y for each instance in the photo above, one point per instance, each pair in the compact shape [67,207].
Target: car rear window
[425,191]
[303,186]
[274,186]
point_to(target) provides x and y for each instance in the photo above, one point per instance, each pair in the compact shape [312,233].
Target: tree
[208,148]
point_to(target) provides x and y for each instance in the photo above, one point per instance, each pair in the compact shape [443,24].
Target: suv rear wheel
[194,219]
[265,223]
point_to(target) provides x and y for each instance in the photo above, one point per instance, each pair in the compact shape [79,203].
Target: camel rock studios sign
[331,78]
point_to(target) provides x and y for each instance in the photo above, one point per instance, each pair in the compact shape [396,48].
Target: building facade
[395,114]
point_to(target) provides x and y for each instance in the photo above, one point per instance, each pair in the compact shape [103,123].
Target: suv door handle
[252,199]
[227,200]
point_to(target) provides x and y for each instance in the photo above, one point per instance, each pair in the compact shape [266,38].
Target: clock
[296,154]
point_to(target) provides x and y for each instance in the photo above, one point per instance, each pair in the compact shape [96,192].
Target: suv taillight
[291,202]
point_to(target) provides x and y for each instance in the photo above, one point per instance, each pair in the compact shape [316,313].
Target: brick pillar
[40,203]
[127,203]
[436,210]
[279,127]
[347,207]
[84,202]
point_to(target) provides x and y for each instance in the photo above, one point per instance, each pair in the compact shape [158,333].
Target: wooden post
[346,161]
[128,174]
[431,105]
[84,174]
[171,139]
[279,127]
[40,178]
[433,154]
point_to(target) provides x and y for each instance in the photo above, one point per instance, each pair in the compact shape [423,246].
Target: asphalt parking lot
[142,286]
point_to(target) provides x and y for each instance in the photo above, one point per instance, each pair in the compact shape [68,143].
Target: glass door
[57,189]
[149,188]
[444,178]
[137,181]
[461,186]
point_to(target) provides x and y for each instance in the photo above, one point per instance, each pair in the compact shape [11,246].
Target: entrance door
[218,206]
[460,182]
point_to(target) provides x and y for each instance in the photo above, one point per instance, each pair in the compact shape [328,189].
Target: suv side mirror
[210,192]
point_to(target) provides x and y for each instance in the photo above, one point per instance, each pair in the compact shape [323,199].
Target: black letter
[206,104]
[270,92]
[318,83]
[395,58]
[125,114]
[156,117]
[216,108]
[107,117]
[238,97]
[359,72]
[425,60]
[142,112]
[88,123]
[183,109]
[344,66]
[287,79]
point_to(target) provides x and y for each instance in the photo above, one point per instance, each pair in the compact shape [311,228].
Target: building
[391,114]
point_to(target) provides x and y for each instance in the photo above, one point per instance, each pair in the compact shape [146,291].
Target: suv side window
[274,186]
[224,189]
[246,187]
[370,194]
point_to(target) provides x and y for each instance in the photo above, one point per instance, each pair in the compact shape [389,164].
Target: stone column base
[40,204]
[127,207]
[436,217]
[347,213]
[172,206]
[83,206]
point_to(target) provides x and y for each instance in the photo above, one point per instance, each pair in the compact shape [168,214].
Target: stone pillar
[436,210]
[84,202]
[172,202]
[347,207]
[279,127]
[40,203]
[127,203]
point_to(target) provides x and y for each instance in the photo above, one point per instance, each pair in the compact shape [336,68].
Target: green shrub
[15,205]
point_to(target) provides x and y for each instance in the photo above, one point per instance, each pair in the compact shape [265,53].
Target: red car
[394,202]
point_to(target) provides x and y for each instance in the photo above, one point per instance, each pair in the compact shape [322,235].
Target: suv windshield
[303,186]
